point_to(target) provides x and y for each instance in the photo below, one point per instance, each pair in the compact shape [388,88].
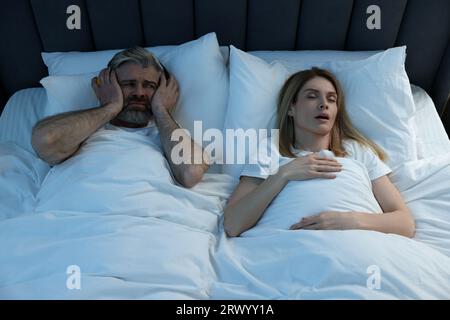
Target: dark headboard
[28,27]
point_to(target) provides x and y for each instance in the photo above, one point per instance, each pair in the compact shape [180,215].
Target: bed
[86,230]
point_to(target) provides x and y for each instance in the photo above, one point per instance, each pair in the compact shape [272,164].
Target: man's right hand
[107,90]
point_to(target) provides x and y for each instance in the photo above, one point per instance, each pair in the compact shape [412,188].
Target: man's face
[138,85]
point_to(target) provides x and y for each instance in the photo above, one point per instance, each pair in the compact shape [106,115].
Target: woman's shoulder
[355,148]
[366,155]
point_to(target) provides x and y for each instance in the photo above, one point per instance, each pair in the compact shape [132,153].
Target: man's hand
[329,220]
[166,96]
[107,90]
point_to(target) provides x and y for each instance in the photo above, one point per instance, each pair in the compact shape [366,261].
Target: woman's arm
[253,195]
[249,201]
[395,218]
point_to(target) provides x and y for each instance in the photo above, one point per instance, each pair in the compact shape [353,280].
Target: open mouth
[323,117]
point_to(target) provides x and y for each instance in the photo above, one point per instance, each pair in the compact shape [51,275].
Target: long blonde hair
[342,127]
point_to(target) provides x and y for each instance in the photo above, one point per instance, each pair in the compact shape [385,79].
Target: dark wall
[28,27]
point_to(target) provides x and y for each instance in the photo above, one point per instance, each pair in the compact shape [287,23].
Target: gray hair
[137,55]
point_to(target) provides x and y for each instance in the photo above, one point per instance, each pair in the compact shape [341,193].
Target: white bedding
[351,190]
[120,256]
[137,235]
[282,264]
[21,175]
[133,233]
[119,171]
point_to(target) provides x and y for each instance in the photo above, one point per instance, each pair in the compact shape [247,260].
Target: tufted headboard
[28,27]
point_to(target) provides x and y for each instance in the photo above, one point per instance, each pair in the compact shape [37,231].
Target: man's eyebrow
[132,81]
[150,81]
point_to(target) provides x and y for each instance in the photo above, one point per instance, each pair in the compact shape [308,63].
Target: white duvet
[351,190]
[134,234]
[270,261]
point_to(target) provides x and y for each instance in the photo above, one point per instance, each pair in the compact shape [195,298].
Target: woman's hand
[329,220]
[166,96]
[310,167]
[107,90]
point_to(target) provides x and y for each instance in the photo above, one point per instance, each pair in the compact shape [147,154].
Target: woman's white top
[351,190]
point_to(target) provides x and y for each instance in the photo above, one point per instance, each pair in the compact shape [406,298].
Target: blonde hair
[342,127]
[137,55]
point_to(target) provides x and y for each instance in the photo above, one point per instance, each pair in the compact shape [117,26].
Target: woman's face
[316,107]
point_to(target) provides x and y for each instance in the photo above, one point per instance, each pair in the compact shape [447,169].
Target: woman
[313,122]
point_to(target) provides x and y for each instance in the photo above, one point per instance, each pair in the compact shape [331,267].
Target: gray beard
[136,117]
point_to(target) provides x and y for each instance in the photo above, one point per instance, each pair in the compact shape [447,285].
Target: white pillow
[199,68]
[254,88]
[310,58]
[69,93]
[379,101]
[432,139]
[377,90]
[431,136]
[75,62]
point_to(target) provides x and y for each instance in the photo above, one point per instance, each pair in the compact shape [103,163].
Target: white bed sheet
[173,246]
[22,111]
[432,140]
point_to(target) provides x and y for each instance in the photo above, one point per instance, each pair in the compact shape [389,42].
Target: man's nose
[139,90]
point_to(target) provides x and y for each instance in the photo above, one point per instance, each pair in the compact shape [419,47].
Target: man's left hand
[329,220]
[166,96]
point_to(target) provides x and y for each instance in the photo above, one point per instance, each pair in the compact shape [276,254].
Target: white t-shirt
[150,130]
[363,155]
[351,190]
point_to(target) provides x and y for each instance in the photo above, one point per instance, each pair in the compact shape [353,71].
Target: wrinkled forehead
[132,71]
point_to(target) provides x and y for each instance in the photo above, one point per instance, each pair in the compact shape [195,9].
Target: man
[133,93]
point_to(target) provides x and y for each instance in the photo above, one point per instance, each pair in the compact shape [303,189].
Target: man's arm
[164,100]
[58,137]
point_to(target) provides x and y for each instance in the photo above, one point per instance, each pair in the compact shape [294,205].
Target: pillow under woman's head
[377,93]
[312,101]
